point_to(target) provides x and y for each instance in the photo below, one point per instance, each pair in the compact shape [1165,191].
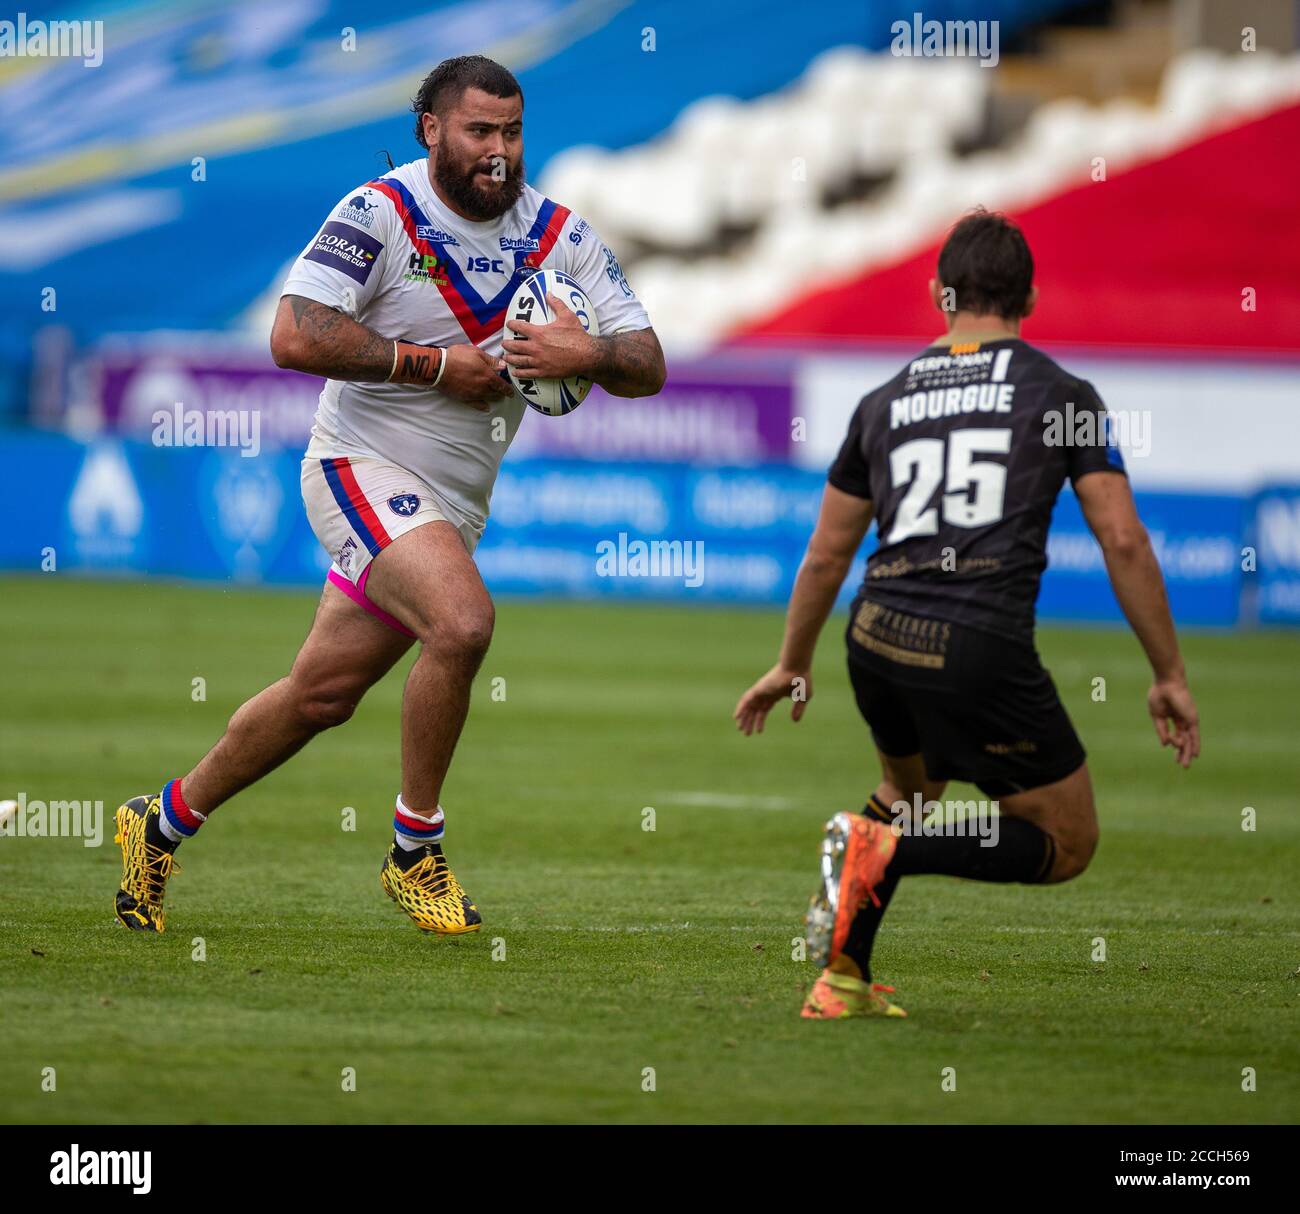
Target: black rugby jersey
[963,454]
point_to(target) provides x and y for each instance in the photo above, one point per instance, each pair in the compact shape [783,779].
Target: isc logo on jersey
[554,397]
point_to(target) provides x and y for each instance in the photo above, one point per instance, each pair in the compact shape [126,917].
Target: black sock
[876,808]
[407,859]
[862,932]
[154,836]
[1023,853]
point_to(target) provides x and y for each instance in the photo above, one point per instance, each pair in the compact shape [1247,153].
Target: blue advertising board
[1197,538]
[567,527]
[1273,587]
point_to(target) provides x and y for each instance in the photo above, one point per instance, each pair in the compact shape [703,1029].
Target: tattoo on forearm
[630,364]
[340,347]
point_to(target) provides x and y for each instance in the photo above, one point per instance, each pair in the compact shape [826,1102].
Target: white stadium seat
[768,165]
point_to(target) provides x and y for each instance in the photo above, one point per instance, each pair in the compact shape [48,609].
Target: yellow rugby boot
[842,997]
[145,868]
[427,890]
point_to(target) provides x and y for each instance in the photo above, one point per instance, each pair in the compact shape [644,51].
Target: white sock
[413,829]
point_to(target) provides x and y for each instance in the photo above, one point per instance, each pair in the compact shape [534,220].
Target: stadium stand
[1178,234]
[785,159]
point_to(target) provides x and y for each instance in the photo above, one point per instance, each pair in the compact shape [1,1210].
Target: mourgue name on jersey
[949,385]
[931,403]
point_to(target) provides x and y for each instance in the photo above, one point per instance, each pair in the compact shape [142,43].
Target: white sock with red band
[176,819]
[413,829]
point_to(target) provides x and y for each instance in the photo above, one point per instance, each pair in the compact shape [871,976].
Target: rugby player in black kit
[960,458]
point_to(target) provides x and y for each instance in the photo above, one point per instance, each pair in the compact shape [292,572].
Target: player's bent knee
[1066,868]
[1088,842]
[326,705]
[1073,855]
[465,635]
[326,712]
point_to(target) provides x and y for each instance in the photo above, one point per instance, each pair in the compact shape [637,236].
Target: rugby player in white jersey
[399,302]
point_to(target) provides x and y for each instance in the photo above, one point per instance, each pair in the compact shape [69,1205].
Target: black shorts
[976,706]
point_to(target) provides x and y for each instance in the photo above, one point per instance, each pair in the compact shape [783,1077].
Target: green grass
[623,949]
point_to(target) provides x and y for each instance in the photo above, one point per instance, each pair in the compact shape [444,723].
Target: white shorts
[357,506]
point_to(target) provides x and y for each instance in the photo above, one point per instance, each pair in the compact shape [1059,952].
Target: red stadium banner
[1199,249]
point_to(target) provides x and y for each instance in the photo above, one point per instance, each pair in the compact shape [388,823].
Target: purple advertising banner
[711,412]
[709,415]
[132,382]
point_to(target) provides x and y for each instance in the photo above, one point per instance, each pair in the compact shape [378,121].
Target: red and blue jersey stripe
[480,318]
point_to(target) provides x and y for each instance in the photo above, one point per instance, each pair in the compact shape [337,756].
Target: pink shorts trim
[358,595]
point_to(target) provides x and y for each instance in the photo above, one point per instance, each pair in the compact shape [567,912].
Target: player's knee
[1074,853]
[1085,846]
[466,634]
[326,705]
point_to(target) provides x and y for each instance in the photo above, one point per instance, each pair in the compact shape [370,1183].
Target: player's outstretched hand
[778,683]
[1174,712]
[555,351]
[474,377]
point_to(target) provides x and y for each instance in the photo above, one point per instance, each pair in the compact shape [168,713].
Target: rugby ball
[554,397]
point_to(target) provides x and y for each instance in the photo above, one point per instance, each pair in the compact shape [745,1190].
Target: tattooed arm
[624,364]
[629,364]
[320,340]
[311,337]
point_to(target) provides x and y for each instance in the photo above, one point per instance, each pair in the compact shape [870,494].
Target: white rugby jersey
[397,260]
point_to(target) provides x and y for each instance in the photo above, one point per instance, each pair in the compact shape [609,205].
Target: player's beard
[476,202]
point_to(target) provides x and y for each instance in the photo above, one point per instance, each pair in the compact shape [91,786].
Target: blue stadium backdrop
[116,506]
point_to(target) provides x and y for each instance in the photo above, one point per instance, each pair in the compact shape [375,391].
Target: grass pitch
[608,949]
